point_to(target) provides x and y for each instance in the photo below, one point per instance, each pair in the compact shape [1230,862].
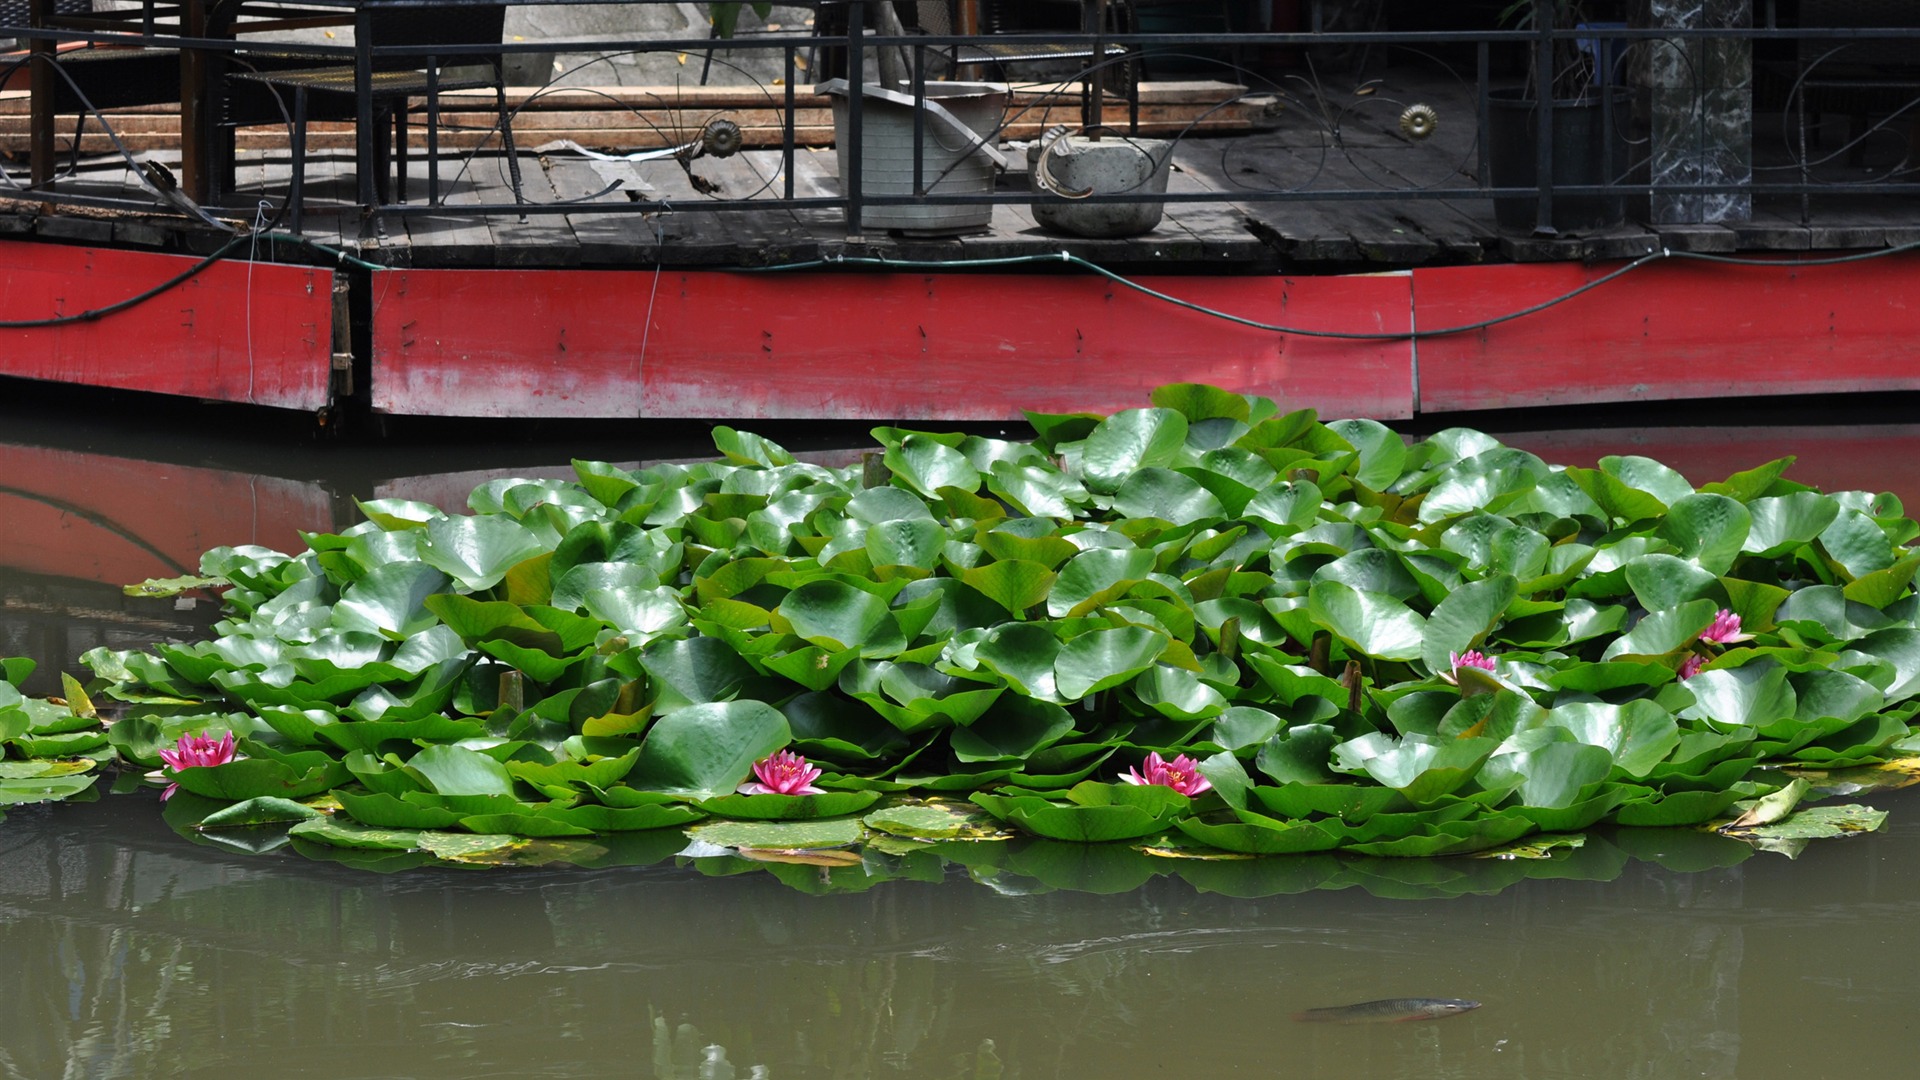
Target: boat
[1331,239]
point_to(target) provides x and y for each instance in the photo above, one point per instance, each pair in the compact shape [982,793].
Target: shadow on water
[135,953]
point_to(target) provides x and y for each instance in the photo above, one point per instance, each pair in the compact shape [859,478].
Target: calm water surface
[136,953]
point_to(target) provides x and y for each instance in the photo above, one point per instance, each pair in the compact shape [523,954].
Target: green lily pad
[336,833]
[780,835]
[936,821]
[789,807]
[266,810]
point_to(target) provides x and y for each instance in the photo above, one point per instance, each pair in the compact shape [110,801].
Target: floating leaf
[708,750]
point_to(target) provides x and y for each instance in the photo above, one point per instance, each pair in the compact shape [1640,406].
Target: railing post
[40,76]
[1543,19]
[786,126]
[856,93]
[1094,109]
[364,134]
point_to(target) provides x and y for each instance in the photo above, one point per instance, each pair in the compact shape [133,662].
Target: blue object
[1606,52]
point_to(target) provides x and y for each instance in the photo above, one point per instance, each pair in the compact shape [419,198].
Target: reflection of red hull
[114,520]
[117,520]
[1882,458]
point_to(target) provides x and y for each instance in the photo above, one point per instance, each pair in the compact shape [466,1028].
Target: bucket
[1108,167]
[962,122]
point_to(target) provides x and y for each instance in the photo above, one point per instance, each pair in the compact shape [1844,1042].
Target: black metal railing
[1690,119]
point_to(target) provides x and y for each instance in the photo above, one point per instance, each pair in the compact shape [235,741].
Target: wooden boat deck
[1233,232]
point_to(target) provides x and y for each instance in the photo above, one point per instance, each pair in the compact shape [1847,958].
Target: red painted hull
[1668,331]
[867,346]
[258,334]
[952,346]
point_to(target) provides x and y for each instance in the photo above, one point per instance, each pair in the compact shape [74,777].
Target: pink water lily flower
[1182,774]
[784,773]
[1691,666]
[196,751]
[1472,658]
[1725,629]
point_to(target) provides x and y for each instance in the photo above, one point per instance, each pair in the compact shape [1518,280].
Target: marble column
[1702,110]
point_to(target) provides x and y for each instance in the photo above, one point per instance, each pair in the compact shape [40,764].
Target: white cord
[646,326]
[253,244]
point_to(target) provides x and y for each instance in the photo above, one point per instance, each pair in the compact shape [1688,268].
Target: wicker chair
[396,80]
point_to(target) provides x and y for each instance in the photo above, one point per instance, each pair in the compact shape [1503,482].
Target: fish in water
[1389,1011]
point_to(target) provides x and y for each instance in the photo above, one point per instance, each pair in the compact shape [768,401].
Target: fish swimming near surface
[1389,1011]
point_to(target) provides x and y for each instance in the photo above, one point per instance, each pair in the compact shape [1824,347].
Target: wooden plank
[538,239]
[1702,238]
[1768,230]
[622,239]
[639,119]
[1625,241]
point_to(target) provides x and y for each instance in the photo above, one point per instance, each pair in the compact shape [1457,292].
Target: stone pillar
[1702,111]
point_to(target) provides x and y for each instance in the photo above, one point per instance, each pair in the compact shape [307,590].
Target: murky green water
[134,952]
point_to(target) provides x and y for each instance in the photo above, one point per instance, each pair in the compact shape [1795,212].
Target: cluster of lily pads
[1206,622]
[50,749]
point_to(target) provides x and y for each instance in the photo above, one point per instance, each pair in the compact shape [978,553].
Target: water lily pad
[1257,834]
[336,833]
[1104,813]
[936,821]
[384,811]
[708,750]
[788,835]
[251,778]
[601,819]
[789,807]
[38,789]
[262,811]
[1816,823]
[467,847]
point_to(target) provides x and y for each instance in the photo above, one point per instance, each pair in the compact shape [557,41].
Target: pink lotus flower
[196,751]
[1691,666]
[1182,774]
[1725,629]
[785,773]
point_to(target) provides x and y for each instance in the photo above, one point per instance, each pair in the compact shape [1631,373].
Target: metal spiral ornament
[721,138]
[1419,122]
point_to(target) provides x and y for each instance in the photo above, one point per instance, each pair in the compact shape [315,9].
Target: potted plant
[1585,112]
[727,15]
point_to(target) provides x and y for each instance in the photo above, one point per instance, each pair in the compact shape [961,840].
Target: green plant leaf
[1096,661]
[1014,584]
[1782,523]
[708,750]
[477,551]
[1373,623]
[835,615]
[927,465]
[1127,442]
[1462,620]
[455,770]
[390,601]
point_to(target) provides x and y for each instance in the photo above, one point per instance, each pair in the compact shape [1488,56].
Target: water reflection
[135,953]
